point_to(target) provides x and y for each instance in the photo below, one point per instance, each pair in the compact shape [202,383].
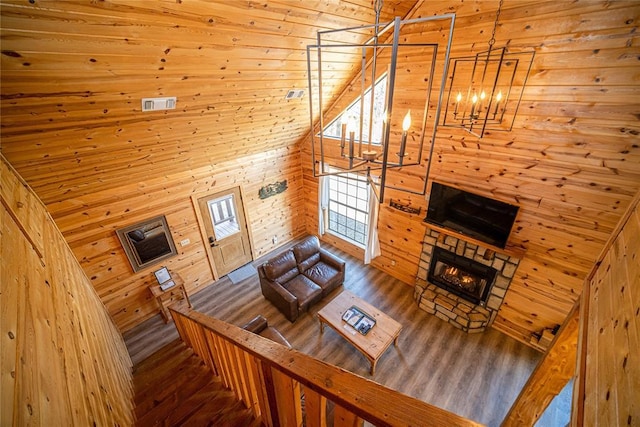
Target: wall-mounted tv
[476,216]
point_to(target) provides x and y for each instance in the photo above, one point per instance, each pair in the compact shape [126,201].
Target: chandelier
[383,124]
[485,90]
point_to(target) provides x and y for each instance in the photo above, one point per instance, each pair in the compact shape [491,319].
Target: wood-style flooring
[175,388]
[477,376]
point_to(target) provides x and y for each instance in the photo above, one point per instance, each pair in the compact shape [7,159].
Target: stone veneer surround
[448,306]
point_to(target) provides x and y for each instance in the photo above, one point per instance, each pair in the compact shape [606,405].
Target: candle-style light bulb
[406,124]
[351,128]
[498,99]
[385,119]
[458,99]
[474,100]
[343,132]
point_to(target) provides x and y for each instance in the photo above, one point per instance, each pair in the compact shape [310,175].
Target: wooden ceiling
[74,74]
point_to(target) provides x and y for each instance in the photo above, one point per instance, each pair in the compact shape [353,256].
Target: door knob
[212,242]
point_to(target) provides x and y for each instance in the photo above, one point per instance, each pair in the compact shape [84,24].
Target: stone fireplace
[461,282]
[462,276]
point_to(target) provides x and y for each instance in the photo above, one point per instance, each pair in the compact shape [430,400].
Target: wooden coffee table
[376,341]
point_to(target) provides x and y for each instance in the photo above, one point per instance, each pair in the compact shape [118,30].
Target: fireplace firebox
[462,276]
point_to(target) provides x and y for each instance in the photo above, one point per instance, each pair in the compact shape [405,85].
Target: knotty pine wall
[90,226]
[73,74]
[602,330]
[64,361]
[572,161]
[609,374]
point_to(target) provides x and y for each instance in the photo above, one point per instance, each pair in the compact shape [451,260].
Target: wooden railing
[274,380]
[589,332]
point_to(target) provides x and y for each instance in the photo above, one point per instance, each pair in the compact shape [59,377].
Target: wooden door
[225,228]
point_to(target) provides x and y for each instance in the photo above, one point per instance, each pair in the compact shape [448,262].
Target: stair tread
[174,387]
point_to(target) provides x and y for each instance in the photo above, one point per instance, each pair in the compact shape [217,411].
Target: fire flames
[459,278]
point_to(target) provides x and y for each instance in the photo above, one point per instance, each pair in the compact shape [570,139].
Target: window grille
[349,207]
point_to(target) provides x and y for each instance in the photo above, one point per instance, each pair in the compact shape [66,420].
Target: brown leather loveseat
[300,277]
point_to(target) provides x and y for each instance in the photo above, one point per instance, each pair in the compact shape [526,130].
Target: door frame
[203,232]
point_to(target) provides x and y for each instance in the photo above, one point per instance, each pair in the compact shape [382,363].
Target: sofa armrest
[333,261]
[259,326]
[274,335]
[284,300]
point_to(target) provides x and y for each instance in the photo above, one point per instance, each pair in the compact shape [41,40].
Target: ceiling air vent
[155,104]
[294,94]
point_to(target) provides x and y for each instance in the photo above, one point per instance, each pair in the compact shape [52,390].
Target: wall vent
[155,104]
[294,94]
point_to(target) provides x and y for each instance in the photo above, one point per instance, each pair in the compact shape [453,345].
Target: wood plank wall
[551,375]
[608,385]
[603,330]
[90,227]
[64,361]
[572,161]
[73,74]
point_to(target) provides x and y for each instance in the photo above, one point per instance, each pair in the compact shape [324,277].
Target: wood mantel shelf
[513,251]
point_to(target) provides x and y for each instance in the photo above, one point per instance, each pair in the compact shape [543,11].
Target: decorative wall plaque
[404,208]
[272,189]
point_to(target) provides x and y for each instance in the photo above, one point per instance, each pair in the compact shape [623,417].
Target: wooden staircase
[222,375]
[173,387]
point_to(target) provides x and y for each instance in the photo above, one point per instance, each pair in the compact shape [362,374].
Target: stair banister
[267,376]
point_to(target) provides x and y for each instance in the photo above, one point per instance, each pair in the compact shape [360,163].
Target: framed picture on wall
[147,243]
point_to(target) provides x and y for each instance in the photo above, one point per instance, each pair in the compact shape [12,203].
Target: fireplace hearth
[455,273]
[461,276]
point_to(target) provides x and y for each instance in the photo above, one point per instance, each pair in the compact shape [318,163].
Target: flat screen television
[482,218]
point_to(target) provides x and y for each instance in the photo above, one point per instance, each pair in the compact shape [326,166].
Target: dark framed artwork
[147,242]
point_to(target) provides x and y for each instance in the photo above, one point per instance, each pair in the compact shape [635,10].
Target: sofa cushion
[307,253]
[324,275]
[282,268]
[308,263]
[307,292]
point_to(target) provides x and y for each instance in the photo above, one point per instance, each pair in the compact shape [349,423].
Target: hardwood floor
[175,388]
[477,376]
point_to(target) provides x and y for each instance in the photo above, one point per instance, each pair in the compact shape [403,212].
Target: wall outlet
[393,262]
[274,239]
[155,104]
[185,242]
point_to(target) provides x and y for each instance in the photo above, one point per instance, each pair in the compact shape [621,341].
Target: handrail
[266,376]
